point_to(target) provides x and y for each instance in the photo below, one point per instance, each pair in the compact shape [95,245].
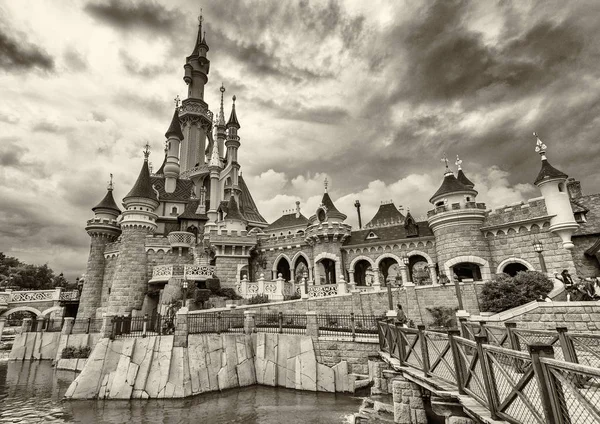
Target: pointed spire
[221,118]
[233,121]
[326,183]
[175,127]
[143,186]
[460,176]
[201,37]
[108,202]
[214,158]
[161,170]
[233,211]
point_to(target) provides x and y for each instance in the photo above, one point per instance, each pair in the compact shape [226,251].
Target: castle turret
[221,127]
[130,279]
[234,219]
[214,167]
[196,119]
[103,229]
[460,175]
[461,248]
[232,187]
[552,184]
[174,137]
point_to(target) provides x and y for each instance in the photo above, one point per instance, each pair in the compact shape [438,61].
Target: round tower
[326,233]
[456,220]
[552,184]
[232,186]
[130,279]
[103,229]
[174,136]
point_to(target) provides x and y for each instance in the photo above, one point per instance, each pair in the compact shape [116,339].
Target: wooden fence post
[424,349]
[463,327]
[513,340]
[401,342]
[456,358]
[549,404]
[487,375]
[566,344]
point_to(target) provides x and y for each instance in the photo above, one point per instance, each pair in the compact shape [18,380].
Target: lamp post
[184,286]
[539,248]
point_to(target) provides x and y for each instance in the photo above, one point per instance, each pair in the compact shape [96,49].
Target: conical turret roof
[233,211]
[233,121]
[175,127]
[450,185]
[107,203]
[548,172]
[464,180]
[332,211]
[142,187]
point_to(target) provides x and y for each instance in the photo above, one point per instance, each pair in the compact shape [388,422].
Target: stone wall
[109,273]
[576,316]
[91,292]
[152,367]
[586,266]
[461,239]
[399,249]
[227,270]
[130,281]
[355,354]
[44,345]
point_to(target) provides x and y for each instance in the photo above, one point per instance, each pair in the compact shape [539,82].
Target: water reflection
[32,392]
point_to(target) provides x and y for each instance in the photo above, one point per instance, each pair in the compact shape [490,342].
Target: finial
[222,88]
[221,119]
[177,100]
[458,162]
[445,160]
[110,183]
[146,151]
[233,100]
[326,183]
[540,147]
[200,18]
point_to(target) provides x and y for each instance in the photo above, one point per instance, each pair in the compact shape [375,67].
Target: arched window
[466,271]
[174,210]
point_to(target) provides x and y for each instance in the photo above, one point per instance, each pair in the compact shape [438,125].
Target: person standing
[401,316]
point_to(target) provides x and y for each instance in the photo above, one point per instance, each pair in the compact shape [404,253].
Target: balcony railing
[454,207]
[69,296]
[198,272]
[181,239]
[161,273]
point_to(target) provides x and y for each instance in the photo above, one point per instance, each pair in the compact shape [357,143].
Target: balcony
[455,207]
[181,239]
[198,272]
[161,273]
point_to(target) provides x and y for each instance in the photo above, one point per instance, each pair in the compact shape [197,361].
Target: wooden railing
[521,376]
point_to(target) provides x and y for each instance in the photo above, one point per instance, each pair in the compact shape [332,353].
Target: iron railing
[278,322]
[86,326]
[354,326]
[542,385]
[215,323]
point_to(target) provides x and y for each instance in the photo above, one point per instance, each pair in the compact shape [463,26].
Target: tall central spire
[221,121]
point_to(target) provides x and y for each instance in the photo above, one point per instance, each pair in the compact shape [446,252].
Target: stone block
[402,413]
[325,379]
[340,371]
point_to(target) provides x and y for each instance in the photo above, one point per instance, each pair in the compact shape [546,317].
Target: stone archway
[525,266]
[282,265]
[34,311]
[327,268]
[362,271]
[300,267]
[484,266]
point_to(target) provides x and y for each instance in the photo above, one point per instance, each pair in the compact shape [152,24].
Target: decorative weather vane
[177,100]
[540,147]
[200,19]
[458,162]
[146,151]
[326,183]
[110,183]
[445,160]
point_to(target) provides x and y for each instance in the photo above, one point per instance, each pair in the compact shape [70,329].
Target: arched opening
[300,269]
[513,268]
[418,270]
[326,271]
[283,268]
[389,271]
[363,273]
[244,272]
[174,211]
[466,271]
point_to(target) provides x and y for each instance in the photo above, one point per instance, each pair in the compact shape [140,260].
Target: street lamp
[184,286]
[539,248]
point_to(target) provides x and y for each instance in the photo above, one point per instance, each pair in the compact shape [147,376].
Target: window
[561,187]
[174,211]
[439,204]
[372,235]
[468,199]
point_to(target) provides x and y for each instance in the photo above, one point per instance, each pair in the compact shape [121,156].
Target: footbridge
[41,303]
[493,374]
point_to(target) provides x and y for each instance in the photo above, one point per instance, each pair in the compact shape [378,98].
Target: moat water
[32,392]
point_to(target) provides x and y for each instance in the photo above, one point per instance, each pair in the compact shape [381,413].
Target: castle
[195,219]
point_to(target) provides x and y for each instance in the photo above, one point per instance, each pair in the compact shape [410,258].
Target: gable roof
[288,221]
[190,211]
[387,214]
[386,234]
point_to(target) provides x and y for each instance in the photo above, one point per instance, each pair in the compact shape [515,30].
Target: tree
[15,273]
[505,292]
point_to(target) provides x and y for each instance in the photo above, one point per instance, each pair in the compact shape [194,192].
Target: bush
[443,316]
[73,352]
[292,296]
[505,292]
[229,293]
[259,298]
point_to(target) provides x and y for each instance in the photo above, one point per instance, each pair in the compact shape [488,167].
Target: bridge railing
[529,384]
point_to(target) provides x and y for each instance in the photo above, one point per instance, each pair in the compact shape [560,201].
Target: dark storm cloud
[11,154]
[133,66]
[296,111]
[135,15]
[18,55]
[156,107]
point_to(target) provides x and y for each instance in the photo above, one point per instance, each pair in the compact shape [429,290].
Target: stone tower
[196,119]
[103,229]
[130,280]
[552,184]
[456,222]
[326,233]
[232,185]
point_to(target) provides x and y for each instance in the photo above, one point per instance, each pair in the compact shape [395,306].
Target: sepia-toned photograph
[300,211]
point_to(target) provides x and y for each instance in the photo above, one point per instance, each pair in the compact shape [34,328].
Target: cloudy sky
[370,94]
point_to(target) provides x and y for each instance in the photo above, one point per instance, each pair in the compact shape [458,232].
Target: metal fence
[215,323]
[513,385]
[86,326]
[278,322]
[354,326]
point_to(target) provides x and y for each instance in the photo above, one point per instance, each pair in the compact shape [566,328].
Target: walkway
[488,370]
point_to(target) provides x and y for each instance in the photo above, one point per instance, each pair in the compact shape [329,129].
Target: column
[341,286]
[181,328]
[432,274]
[39,323]
[261,284]
[68,326]
[352,281]
[249,322]
[404,274]
[26,325]
[107,326]
[376,282]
